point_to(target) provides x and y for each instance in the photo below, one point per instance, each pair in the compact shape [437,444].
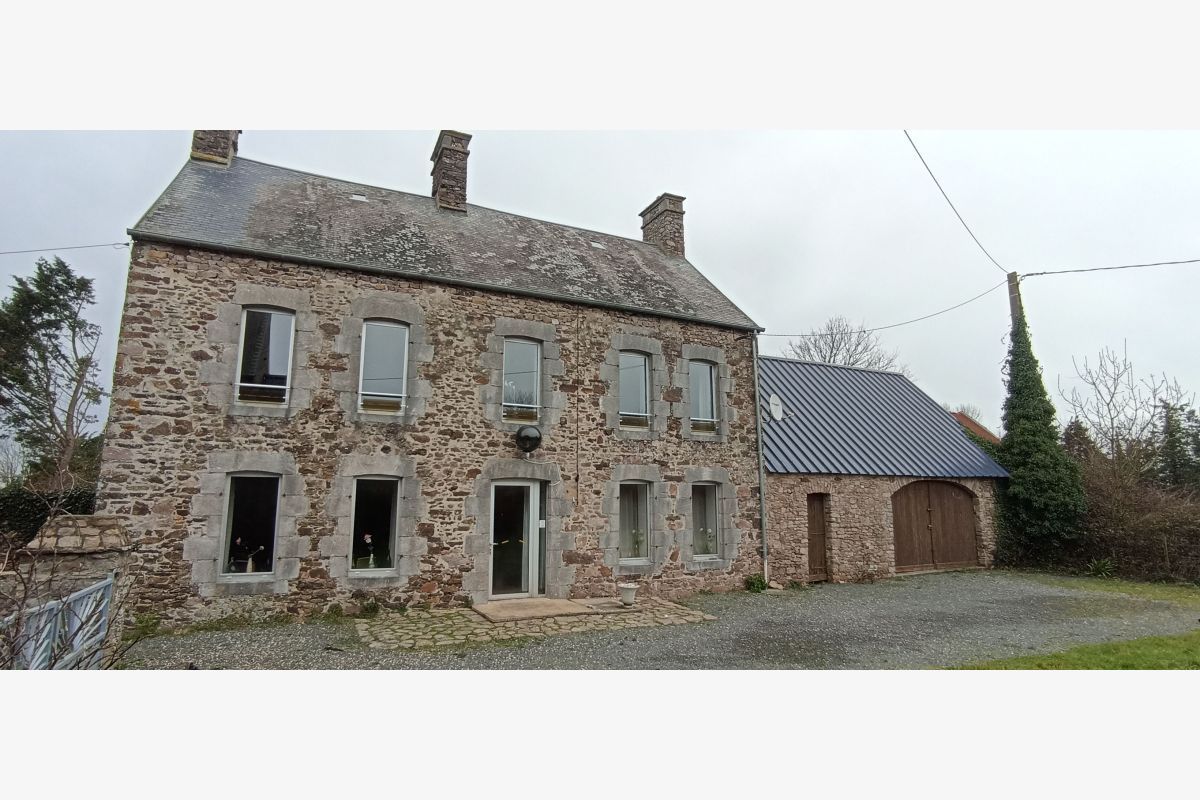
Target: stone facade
[860,542]
[175,434]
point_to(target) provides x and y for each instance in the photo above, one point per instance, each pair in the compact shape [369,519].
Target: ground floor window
[704,519]
[250,534]
[374,522]
[635,521]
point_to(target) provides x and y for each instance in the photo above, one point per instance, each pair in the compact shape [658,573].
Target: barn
[868,477]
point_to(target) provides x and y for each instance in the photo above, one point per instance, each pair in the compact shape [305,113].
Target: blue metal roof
[850,421]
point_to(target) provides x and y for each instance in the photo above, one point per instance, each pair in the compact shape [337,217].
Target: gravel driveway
[919,621]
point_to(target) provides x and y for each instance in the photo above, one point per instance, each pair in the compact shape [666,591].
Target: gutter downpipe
[762,475]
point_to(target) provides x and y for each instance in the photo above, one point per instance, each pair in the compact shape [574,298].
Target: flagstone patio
[411,630]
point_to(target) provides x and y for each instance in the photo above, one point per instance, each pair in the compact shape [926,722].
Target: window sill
[247,577]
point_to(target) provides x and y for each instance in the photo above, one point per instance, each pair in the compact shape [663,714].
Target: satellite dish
[776,406]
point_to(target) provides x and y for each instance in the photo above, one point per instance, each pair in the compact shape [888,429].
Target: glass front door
[516,550]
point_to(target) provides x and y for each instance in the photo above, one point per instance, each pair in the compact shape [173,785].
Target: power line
[1105,269]
[49,249]
[952,208]
[897,324]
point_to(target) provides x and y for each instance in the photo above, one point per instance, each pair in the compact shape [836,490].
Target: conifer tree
[1043,502]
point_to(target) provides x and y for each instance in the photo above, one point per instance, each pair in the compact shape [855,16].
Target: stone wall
[860,543]
[172,432]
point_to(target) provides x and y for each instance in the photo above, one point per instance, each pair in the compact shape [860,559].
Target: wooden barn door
[910,520]
[818,537]
[952,526]
[934,525]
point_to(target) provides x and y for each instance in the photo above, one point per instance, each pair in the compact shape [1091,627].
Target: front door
[516,534]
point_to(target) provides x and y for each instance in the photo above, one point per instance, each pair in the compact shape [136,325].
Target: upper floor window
[522,380]
[265,363]
[634,386]
[384,365]
[702,386]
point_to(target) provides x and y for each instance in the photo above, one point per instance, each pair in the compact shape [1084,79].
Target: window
[383,370]
[522,380]
[702,385]
[374,523]
[266,358]
[250,526]
[634,386]
[635,522]
[704,520]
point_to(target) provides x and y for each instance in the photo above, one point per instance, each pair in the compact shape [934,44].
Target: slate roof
[848,421]
[260,209]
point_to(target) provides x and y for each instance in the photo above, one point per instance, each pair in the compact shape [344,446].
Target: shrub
[756,583]
[23,512]
[1101,568]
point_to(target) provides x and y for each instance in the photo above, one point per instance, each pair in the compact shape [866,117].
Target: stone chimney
[218,146]
[662,224]
[450,170]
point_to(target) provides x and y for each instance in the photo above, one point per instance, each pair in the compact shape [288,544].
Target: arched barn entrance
[934,524]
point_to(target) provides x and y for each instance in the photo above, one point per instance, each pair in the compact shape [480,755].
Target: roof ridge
[840,366]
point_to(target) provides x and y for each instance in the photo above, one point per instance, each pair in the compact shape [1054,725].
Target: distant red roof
[974,427]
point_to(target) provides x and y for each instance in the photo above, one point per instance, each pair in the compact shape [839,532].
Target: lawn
[1152,652]
[1182,594]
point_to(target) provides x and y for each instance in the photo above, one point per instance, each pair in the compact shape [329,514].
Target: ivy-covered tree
[48,388]
[1043,502]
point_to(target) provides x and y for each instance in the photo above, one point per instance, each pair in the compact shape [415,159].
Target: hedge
[23,512]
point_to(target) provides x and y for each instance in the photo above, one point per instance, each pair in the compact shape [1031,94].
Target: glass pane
[252,504]
[633,384]
[374,523]
[510,527]
[701,388]
[634,521]
[521,362]
[385,350]
[266,347]
[704,519]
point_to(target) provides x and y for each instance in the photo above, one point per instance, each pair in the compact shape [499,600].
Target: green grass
[1182,594]
[1152,652]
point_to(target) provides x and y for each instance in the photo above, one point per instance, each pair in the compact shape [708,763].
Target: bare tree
[970,409]
[12,461]
[840,342]
[1119,410]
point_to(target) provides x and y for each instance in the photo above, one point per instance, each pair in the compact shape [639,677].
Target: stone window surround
[725,414]
[407,546]
[477,544]
[385,308]
[225,336]
[660,509]
[206,550]
[610,372]
[728,534]
[491,360]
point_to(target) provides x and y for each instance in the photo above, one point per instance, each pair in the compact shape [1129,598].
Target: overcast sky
[794,226]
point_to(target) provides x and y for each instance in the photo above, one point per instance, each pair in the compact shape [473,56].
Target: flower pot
[628,593]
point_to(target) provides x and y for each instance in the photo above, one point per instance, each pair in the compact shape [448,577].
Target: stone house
[867,477]
[327,392]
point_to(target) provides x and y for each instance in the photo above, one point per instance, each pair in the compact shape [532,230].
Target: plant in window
[703,391]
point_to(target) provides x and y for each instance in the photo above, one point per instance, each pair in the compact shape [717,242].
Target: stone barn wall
[861,545]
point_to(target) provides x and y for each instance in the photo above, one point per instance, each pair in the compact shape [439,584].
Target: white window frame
[225,536]
[716,518]
[712,389]
[237,378]
[537,382]
[362,360]
[648,489]
[533,535]
[646,378]
[395,526]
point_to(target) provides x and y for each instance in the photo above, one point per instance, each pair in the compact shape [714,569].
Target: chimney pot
[450,170]
[216,146]
[662,224]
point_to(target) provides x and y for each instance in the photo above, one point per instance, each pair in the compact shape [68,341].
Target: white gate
[62,634]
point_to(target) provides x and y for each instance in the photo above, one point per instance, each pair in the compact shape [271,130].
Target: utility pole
[1015,309]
